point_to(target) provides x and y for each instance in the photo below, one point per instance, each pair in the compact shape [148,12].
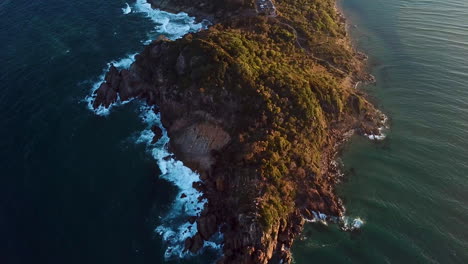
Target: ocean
[79,186]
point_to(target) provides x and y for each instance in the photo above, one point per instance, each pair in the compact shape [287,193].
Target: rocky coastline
[260,111]
[213,11]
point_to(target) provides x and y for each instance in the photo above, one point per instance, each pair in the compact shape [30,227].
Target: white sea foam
[346,223]
[172,170]
[318,217]
[173,26]
[376,137]
[127,9]
[381,135]
[351,224]
[175,228]
[122,63]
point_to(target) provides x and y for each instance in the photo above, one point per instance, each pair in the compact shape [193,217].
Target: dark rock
[196,243]
[105,96]
[157,133]
[207,226]
[188,243]
[197,185]
[126,88]
[156,51]
[180,65]
[192,219]
[113,78]
[220,184]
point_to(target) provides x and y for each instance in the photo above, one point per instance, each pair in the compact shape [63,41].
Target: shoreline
[197,137]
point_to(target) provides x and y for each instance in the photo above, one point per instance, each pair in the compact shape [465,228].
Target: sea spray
[171,25]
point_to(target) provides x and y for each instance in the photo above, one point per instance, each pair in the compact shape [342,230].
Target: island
[258,104]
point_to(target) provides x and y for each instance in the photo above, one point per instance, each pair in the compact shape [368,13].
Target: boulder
[105,96]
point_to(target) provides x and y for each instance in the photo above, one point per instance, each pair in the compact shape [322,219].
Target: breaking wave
[171,25]
[123,63]
[175,227]
[127,9]
[344,222]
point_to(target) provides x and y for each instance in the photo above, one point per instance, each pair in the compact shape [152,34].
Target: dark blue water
[76,187]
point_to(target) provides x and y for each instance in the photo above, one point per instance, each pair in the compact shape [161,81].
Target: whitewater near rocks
[199,135]
[175,227]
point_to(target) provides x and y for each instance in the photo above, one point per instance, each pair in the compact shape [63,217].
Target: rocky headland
[259,106]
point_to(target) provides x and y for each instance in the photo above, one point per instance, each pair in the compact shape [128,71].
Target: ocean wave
[175,227]
[122,63]
[171,25]
[346,223]
[172,170]
[127,9]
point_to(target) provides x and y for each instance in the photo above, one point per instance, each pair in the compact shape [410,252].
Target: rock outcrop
[258,117]
[212,10]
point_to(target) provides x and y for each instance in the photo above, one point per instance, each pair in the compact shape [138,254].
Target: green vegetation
[320,29]
[288,100]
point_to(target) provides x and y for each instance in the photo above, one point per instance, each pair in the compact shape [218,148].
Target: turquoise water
[412,188]
[76,187]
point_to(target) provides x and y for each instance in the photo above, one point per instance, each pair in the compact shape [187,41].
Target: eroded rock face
[107,92]
[196,142]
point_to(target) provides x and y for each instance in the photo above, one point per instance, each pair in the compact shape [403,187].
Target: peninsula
[258,104]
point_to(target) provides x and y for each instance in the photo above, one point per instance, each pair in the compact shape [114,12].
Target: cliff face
[259,108]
